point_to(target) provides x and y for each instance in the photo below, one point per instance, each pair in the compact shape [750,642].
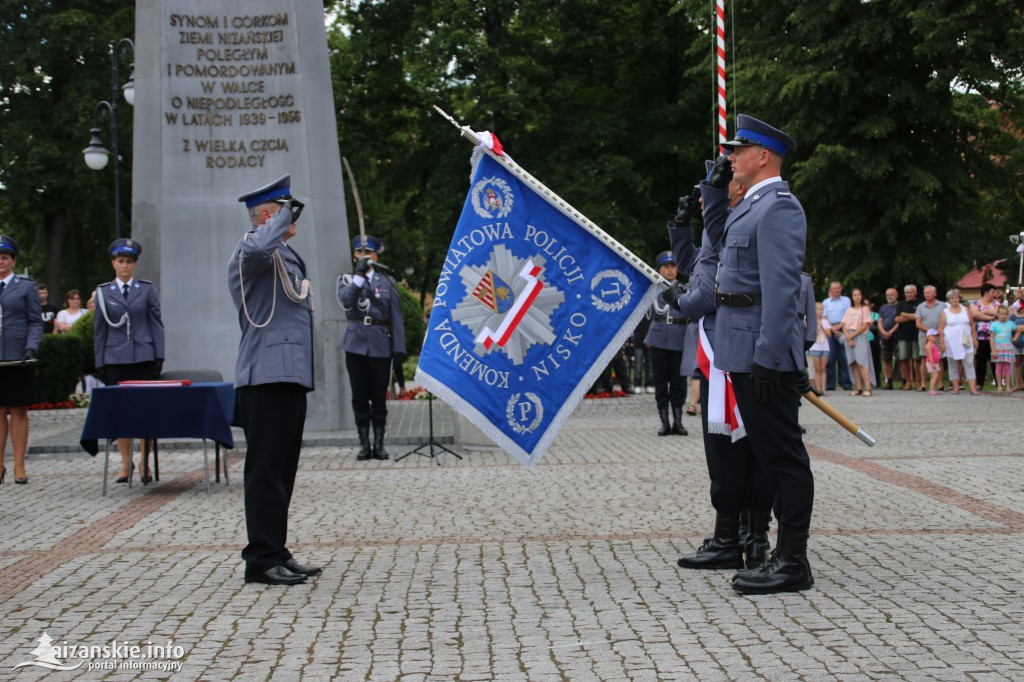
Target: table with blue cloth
[200,410]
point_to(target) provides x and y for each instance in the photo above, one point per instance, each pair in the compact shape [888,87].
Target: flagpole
[720,55]
[563,206]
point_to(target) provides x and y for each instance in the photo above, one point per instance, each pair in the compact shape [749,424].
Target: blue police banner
[532,302]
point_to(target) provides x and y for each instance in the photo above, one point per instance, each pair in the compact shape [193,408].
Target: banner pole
[562,205]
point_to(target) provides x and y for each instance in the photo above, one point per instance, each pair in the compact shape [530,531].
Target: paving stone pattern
[475,569]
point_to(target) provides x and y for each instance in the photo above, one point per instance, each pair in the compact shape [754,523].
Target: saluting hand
[721,173]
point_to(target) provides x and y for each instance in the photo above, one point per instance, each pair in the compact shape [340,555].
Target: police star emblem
[509,304]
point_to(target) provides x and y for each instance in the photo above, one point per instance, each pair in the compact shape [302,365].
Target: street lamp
[96,155]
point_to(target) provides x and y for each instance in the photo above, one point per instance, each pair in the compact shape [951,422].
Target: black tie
[124,290]
[2,285]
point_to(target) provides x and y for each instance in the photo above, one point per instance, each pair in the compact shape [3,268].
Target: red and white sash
[723,412]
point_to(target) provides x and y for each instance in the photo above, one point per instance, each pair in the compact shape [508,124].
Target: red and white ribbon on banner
[723,412]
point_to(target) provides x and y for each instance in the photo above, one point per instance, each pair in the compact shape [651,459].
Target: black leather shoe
[146,480]
[278,575]
[722,550]
[295,567]
[787,570]
[364,442]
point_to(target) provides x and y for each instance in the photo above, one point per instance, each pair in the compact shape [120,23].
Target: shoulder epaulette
[145,281]
[100,286]
[26,278]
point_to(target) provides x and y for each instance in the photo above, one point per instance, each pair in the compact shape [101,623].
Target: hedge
[60,366]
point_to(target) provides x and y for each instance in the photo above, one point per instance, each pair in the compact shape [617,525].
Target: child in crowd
[933,360]
[1001,338]
[819,351]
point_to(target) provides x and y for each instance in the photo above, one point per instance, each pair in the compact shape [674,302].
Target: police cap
[278,189]
[124,247]
[370,244]
[665,258]
[752,132]
[8,245]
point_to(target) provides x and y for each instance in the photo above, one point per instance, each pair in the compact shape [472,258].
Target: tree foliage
[54,68]
[907,113]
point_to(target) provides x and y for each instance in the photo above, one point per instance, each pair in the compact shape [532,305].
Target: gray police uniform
[21,329]
[374,334]
[738,485]
[760,342]
[666,338]
[273,374]
[127,330]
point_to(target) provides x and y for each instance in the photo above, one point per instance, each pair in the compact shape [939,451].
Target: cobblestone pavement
[479,570]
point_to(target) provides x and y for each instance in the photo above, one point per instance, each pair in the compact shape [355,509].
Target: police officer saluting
[128,336]
[666,339]
[375,333]
[274,372]
[759,341]
[21,330]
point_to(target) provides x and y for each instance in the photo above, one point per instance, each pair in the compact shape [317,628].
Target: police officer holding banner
[128,336]
[274,372]
[760,342]
[21,330]
[374,334]
[740,491]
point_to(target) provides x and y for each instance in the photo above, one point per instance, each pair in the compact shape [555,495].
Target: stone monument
[230,95]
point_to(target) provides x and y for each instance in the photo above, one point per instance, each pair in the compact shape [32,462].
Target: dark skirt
[140,371]
[19,386]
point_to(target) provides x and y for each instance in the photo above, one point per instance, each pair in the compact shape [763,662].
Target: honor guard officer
[375,332]
[666,338]
[128,336]
[274,372]
[760,343]
[740,491]
[21,330]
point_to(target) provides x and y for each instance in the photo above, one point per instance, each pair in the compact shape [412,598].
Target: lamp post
[96,155]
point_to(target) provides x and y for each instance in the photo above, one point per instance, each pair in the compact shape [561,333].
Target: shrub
[60,366]
[83,329]
[412,316]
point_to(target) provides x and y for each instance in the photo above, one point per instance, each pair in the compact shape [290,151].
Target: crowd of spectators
[917,344]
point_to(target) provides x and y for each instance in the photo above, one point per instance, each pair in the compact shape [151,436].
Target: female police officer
[129,335]
[21,329]
[375,333]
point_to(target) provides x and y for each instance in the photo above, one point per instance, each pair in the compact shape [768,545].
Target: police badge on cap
[8,245]
[124,247]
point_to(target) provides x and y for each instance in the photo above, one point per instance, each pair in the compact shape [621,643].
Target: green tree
[906,115]
[594,98]
[54,68]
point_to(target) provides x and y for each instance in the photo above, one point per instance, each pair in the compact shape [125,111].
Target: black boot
[756,545]
[364,441]
[677,422]
[378,442]
[786,570]
[665,428]
[721,551]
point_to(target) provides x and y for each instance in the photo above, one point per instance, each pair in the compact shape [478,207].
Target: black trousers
[369,377]
[738,480]
[669,383]
[774,434]
[982,359]
[273,417]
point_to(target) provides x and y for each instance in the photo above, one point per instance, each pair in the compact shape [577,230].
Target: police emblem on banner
[530,306]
